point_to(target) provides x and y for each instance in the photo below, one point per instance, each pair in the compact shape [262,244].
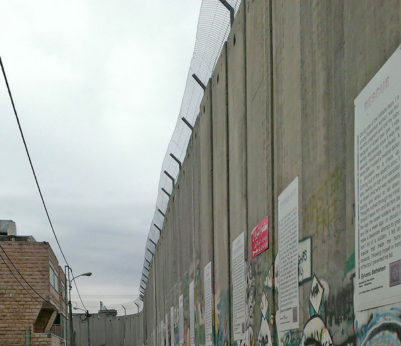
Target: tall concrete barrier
[106,330]
[220,201]
[278,112]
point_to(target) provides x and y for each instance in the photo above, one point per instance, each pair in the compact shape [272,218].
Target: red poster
[260,237]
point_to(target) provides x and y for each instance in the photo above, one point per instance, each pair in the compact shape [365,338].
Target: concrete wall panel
[259,167]
[198,292]
[220,201]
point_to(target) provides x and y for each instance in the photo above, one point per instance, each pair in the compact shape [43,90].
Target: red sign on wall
[260,237]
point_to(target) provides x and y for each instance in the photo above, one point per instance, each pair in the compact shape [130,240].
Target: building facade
[33,309]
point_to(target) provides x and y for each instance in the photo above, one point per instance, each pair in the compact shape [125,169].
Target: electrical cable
[37,293]
[16,279]
[34,174]
[30,161]
[79,295]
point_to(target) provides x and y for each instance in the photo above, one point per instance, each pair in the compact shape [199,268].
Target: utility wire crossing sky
[97,86]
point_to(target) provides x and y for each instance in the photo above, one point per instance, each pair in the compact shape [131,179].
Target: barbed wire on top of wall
[213,28]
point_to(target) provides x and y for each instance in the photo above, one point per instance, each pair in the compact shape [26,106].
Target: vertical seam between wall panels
[228,193]
[272,133]
[245,131]
[212,183]
[155,288]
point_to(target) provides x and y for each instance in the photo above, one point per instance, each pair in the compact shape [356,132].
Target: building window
[53,277]
[59,327]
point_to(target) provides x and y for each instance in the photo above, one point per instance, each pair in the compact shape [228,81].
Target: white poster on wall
[238,282]
[208,304]
[181,318]
[191,314]
[172,319]
[377,156]
[161,332]
[288,234]
[167,328]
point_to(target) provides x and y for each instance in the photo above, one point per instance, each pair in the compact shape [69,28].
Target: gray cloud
[98,87]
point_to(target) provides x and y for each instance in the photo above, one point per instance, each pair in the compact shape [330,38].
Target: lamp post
[68,269]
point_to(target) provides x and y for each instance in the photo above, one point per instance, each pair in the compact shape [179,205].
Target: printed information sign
[191,313]
[377,156]
[167,328]
[172,342]
[260,237]
[288,234]
[181,318]
[208,304]
[238,281]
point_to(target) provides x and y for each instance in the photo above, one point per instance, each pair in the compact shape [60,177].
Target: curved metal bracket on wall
[164,190]
[194,76]
[169,176]
[176,159]
[188,124]
[157,227]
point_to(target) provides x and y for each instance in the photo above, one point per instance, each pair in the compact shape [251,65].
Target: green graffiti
[350,264]
[221,326]
[199,322]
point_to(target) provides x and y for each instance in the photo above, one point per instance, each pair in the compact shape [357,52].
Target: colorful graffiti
[379,328]
[259,298]
[199,308]
[222,320]
[330,319]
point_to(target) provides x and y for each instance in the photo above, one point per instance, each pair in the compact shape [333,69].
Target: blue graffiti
[382,329]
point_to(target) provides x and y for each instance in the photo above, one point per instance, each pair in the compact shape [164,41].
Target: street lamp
[84,274]
[68,270]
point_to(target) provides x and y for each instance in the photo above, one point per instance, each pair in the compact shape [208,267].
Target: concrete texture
[279,105]
[220,201]
[237,130]
[259,166]
[108,330]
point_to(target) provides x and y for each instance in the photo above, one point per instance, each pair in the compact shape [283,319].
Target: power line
[34,173]
[16,279]
[79,295]
[39,295]
[30,161]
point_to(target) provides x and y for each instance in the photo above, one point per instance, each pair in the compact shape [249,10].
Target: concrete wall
[104,330]
[279,105]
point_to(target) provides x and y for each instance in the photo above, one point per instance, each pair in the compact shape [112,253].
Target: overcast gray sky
[98,87]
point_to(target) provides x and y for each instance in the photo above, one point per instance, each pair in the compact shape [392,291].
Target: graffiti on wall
[321,211]
[260,299]
[304,265]
[264,335]
[199,308]
[330,313]
[222,318]
[305,260]
[380,327]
